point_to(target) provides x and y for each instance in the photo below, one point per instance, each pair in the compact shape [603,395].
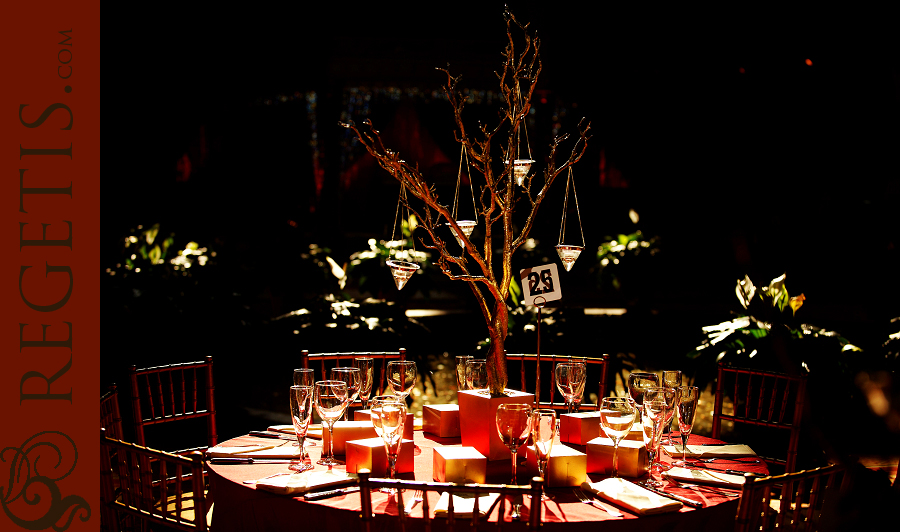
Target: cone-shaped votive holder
[521,167]
[467,227]
[402,271]
[568,255]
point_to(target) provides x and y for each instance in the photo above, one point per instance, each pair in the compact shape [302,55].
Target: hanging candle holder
[521,165]
[569,253]
[402,270]
[467,226]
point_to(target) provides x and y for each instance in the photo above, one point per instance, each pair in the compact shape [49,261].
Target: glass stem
[513,466]
[303,453]
[331,440]
[392,463]
[684,438]
[615,468]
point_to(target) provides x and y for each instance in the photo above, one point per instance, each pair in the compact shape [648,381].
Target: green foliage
[617,253]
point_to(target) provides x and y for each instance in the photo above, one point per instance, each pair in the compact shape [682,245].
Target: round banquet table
[241,507]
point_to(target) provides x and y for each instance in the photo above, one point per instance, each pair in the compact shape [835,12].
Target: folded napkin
[716,478]
[314,431]
[464,504]
[306,481]
[286,451]
[711,451]
[632,496]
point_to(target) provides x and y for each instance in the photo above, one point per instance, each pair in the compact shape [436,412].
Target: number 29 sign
[540,284]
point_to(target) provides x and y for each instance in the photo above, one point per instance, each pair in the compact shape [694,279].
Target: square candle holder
[408,425]
[463,465]
[566,466]
[345,431]
[477,420]
[441,420]
[371,454]
[634,460]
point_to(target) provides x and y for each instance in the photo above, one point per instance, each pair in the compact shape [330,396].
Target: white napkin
[711,451]
[286,451]
[464,505]
[717,478]
[314,431]
[306,481]
[632,496]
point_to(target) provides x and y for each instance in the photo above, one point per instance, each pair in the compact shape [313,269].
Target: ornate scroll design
[34,469]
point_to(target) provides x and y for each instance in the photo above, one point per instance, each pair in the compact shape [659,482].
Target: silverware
[247,460]
[710,460]
[271,434]
[679,498]
[330,493]
[416,498]
[711,489]
[585,498]
[264,478]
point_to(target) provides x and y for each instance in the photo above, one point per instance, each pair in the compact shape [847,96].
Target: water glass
[401,377]
[331,400]
[476,375]
[352,377]
[570,377]
[304,377]
[617,415]
[366,367]
[301,398]
[461,371]
[657,402]
[686,409]
[514,426]
[543,432]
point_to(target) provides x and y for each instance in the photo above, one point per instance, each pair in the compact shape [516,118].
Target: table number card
[540,284]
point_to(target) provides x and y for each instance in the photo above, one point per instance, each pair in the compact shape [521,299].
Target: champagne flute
[375,416]
[514,426]
[686,408]
[570,378]
[638,382]
[301,412]
[366,368]
[657,402]
[401,377]
[543,432]
[476,375]
[461,371]
[331,401]
[352,377]
[616,417]
[304,377]
[389,416]
[670,379]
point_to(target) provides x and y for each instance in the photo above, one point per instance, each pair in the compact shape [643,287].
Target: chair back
[346,359]
[792,501]
[597,367]
[762,399]
[140,487]
[110,418]
[175,392]
[367,484]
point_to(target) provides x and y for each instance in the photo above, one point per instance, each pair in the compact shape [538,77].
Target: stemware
[570,378]
[686,408]
[657,402]
[331,401]
[543,432]
[304,377]
[514,426]
[401,377]
[461,371]
[616,417]
[352,377]
[388,417]
[476,374]
[301,412]
[638,382]
[670,379]
[366,368]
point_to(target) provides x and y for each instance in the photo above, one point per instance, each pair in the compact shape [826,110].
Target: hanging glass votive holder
[467,227]
[521,167]
[568,255]
[402,271]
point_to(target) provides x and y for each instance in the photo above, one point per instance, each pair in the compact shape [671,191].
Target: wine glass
[616,417]
[686,408]
[331,401]
[461,371]
[388,417]
[366,367]
[304,377]
[543,432]
[301,412]
[514,426]
[401,377]
[476,375]
[352,377]
[670,379]
[638,382]
[657,402]
[570,383]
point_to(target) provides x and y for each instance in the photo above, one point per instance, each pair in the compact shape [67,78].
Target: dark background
[739,155]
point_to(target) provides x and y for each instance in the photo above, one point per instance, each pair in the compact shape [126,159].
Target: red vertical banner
[50,271]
